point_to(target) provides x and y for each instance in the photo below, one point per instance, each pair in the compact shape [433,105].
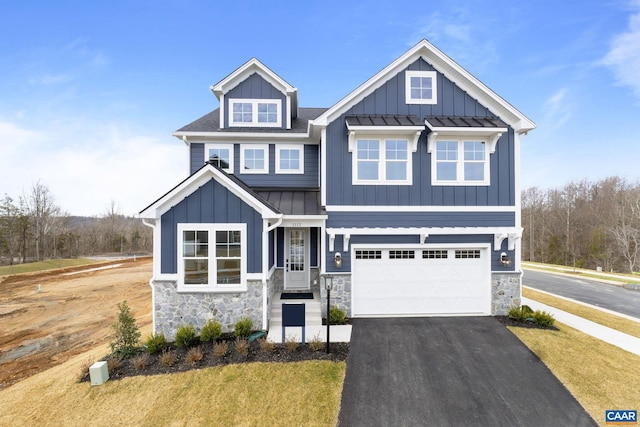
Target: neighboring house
[411,182]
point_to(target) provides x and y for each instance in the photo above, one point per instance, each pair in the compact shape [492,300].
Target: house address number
[296,224]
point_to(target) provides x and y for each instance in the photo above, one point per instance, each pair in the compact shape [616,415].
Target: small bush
[544,319]
[140,361]
[211,331]
[114,363]
[520,314]
[337,316]
[168,358]
[243,327]
[316,344]
[194,356]
[266,345]
[220,349]
[84,369]
[125,332]
[242,346]
[155,343]
[291,344]
[186,336]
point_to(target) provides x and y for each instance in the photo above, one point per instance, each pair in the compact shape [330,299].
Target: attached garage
[422,281]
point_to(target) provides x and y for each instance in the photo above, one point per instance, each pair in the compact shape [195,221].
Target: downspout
[153,294]
[265,266]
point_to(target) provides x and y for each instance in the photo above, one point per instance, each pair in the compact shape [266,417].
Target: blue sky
[91,91]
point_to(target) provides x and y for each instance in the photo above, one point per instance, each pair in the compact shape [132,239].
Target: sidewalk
[611,336]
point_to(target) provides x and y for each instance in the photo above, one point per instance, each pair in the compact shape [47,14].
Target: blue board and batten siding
[390,99]
[255,87]
[307,180]
[211,203]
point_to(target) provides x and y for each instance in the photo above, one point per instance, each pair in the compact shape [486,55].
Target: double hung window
[382,161]
[211,257]
[254,158]
[290,159]
[220,155]
[255,112]
[460,162]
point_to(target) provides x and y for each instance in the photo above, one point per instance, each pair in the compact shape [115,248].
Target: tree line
[34,228]
[584,224]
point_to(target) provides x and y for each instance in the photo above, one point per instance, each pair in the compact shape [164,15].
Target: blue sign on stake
[292,315]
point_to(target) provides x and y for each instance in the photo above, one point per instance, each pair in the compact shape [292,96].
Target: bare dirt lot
[48,317]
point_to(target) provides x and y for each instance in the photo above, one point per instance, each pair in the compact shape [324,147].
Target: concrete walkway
[619,339]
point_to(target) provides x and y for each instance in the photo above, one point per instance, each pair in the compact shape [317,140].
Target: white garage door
[414,282]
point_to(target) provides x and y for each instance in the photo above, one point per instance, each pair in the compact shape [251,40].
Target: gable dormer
[253,96]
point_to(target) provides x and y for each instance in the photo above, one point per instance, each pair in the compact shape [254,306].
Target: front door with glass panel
[296,263]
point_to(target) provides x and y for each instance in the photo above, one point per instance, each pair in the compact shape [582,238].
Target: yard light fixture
[504,259]
[338,259]
[328,284]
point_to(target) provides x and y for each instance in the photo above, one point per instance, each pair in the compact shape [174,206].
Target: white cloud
[558,109]
[624,55]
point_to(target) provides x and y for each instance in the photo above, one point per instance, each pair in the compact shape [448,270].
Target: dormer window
[255,112]
[421,87]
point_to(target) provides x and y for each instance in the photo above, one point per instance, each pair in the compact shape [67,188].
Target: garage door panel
[422,286]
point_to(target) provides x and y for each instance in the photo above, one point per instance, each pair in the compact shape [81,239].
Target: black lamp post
[328,283]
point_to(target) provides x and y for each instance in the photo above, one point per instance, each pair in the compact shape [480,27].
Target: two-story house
[405,192]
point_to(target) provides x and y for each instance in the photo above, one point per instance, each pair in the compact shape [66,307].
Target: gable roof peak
[252,66]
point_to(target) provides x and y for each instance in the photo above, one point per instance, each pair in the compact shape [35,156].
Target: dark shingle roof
[457,122]
[211,123]
[383,120]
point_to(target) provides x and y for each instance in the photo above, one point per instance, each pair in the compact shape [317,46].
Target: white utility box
[99,373]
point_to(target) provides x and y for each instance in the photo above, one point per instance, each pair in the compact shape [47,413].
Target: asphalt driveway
[451,371]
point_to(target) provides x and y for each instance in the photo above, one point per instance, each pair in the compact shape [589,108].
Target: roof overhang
[247,69]
[407,126]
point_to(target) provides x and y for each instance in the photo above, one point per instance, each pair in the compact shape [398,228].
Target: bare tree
[42,209]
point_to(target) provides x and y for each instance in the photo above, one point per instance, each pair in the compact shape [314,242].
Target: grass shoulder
[34,267]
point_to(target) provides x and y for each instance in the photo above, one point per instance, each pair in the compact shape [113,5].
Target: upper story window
[221,155]
[290,159]
[382,161]
[460,162]
[254,158]
[211,257]
[421,87]
[255,112]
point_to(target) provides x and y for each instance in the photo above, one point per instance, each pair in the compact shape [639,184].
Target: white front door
[296,263]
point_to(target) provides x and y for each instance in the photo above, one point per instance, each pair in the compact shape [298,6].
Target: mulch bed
[507,321]
[127,368]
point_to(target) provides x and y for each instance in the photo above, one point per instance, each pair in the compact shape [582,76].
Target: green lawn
[32,267]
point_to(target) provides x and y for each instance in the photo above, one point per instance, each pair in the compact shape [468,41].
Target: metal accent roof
[211,123]
[459,122]
[383,120]
[290,201]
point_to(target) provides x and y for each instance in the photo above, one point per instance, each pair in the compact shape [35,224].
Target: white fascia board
[303,220]
[252,66]
[241,136]
[368,208]
[195,181]
[443,64]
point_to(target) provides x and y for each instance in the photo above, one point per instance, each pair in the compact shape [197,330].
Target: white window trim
[411,136]
[434,90]
[213,287]
[254,114]
[460,139]
[209,145]
[300,148]
[263,147]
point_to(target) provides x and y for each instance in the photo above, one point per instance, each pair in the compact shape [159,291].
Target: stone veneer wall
[505,292]
[173,309]
[340,294]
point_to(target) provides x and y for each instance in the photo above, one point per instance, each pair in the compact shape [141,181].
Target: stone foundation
[173,309]
[505,292]
[340,294]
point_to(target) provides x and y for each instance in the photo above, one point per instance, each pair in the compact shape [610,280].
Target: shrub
[126,333]
[220,349]
[520,314]
[242,346]
[316,344]
[544,319]
[266,345]
[156,343]
[194,356]
[185,336]
[337,316]
[114,363]
[211,331]
[168,358]
[291,344]
[84,369]
[243,327]
[140,361]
